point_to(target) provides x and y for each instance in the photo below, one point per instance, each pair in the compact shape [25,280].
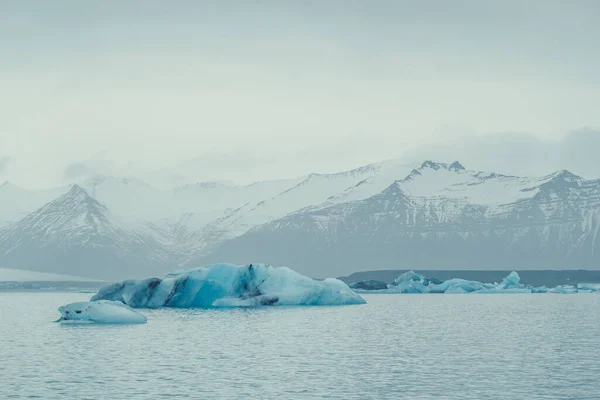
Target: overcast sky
[251,90]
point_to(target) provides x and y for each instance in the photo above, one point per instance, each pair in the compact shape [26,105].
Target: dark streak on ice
[269,301]
[179,285]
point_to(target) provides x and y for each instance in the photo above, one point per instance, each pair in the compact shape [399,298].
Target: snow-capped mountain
[313,189]
[438,217]
[76,234]
[384,215]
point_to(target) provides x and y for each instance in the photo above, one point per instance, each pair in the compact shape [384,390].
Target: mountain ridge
[387,214]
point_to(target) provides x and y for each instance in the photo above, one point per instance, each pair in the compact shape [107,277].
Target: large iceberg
[100,312]
[228,285]
[412,282]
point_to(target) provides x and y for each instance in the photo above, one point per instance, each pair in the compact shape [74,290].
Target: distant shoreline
[50,286]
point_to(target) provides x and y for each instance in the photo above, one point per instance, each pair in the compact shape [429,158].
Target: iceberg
[100,312]
[456,289]
[413,282]
[593,287]
[228,285]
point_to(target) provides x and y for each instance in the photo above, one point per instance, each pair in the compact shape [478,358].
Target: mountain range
[384,215]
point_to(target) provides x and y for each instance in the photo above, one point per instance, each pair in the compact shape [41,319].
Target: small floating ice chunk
[100,312]
[593,287]
[467,286]
[410,276]
[512,280]
[412,282]
[563,289]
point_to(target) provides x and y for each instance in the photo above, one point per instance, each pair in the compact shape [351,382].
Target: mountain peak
[413,174]
[75,200]
[432,165]
[77,191]
[566,175]
[456,166]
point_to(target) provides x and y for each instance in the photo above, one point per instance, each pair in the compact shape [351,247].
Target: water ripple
[397,346]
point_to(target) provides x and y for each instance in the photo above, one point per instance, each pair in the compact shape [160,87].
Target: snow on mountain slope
[176,218]
[208,201]
[435,180]
[435,187]
[314,189]
[440,216]
[383,175]
[435,193]
[75,213]
[446,188]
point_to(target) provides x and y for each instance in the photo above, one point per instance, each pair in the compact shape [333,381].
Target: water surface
[397,346]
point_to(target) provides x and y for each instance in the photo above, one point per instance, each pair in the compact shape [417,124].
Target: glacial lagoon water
[522,346]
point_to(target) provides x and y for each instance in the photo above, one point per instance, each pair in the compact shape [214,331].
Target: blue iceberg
[100,312]
[413,282]
[228,285]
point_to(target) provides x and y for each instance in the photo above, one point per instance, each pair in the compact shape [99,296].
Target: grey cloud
[579,151]
[278,89]
[520,153]
[99,163]
[76,170]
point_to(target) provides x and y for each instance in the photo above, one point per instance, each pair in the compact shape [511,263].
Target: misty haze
[311,199]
